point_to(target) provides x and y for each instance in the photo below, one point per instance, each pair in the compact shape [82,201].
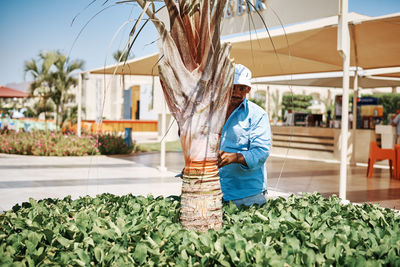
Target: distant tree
[276,99]
[122,57]
[258,101]
[328,101]
[40,70]
[40,107]
[62,80]
[72,114]
[52,76]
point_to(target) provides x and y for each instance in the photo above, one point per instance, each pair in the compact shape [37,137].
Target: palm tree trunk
[201,200]
[196,76]
[57,114]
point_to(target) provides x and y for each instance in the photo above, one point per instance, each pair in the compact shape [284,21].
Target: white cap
[242,75]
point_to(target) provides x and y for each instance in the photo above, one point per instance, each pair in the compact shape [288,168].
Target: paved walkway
[22,177]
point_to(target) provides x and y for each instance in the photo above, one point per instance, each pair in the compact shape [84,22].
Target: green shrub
[389,101]
[40,143]
[113,144]
[296,102]
[128,231]
[259,102]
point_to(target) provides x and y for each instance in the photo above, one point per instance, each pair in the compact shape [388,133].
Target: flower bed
[126,231]
[40,143]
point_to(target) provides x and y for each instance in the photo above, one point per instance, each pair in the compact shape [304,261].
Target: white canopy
[302,48]
[373,78]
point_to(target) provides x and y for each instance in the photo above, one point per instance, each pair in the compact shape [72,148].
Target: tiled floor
[315,176]
[22,177]
[295,176]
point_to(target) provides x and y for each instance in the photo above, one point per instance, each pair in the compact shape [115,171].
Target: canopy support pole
[79,99]
[344,50]
[354,122]
[123,92]
[162,167]
[267,102]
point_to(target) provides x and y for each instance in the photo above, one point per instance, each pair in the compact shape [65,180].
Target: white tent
[373,78]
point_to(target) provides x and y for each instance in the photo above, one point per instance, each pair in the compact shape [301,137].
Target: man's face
[239,93]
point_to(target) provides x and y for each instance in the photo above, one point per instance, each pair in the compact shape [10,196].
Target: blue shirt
[396,120]
[247,131]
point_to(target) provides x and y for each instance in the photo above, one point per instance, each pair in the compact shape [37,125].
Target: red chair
[397,163]
[378,154]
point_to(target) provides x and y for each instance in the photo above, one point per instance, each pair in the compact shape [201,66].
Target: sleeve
[396,119]
[260,144]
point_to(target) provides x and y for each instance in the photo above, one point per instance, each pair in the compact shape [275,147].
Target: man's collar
[245,104]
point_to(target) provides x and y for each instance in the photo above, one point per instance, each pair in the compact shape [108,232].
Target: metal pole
[79,96]
[123,90]
[344,50]
[163,130]
[267,104]
[354,123]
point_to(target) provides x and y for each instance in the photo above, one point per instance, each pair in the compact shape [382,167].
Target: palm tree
[196,75]
[40,70]
[62,80]
[276,99]
[52,74]
[119,56]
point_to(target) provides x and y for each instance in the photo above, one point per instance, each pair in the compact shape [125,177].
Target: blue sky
[30,26]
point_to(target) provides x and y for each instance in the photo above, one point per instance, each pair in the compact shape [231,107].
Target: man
[245,146]
[396,122]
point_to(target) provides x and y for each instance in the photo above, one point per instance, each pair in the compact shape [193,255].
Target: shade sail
[139,66]
[303,48]
[6,92]
[366,79]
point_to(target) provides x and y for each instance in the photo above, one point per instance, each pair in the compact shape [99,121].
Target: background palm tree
[276,99]
[41,87]
[62,81]
[53,77]
[119,56]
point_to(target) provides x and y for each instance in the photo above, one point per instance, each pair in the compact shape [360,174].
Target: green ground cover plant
[111,230]
[41,143]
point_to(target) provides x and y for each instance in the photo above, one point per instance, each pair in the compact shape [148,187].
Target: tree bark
[196,74]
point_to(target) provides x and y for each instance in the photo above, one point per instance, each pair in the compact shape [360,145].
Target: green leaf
[310,258]
[219,245]
[232,254]
[184,255]
[330,250]
[29,260]
[48,234]
[83,255]
[293,242]
[31,248]
[98,254]
[63,241]
[140,253]
[79,262]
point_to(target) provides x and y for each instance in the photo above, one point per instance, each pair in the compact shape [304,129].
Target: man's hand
[225,158]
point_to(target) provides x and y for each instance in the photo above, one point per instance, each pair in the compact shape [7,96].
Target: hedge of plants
[109,144]
[41,143]
[129,231]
